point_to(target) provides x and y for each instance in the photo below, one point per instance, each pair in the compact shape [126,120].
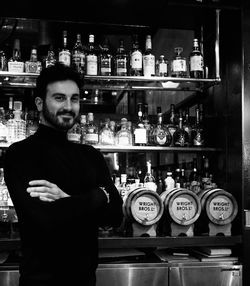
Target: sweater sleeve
[47,215]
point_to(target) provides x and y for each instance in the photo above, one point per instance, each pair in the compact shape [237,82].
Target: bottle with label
[169,182]
[194,178]
[3,61]
[3,126]
[149,180]
[148,59]
[180,136]
[206,175]
[187,125]
[105,59]
[172,125]
[74,133]
[135,58]
[83,127]
[33,65]
[121,60]
[161,66]
[91,57]
[64,55]
[123,137]
[32,122]
[196,61]
[146,122]
[197,131]
[106,135]
[92,135]
[160,183]
[179,64]
[140,131]
[15,63]
[78,55]
[50,59]
[161,135]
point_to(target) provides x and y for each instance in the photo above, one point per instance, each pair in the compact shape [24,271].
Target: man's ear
[39,103]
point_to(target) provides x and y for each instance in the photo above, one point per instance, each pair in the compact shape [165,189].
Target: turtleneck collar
[50,134]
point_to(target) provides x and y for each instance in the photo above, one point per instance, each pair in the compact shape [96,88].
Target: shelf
[142,242]
[114,149]
[28,80]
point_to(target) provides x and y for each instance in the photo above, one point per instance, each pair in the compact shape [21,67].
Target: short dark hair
[55,73]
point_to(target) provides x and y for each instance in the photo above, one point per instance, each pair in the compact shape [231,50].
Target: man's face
[61,105]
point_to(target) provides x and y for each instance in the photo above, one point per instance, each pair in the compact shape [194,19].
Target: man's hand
[45,191]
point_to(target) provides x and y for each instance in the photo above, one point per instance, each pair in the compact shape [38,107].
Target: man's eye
[75,99]
[59,98]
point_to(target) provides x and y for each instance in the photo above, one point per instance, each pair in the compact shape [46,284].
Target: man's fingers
[41,183]
[42,196]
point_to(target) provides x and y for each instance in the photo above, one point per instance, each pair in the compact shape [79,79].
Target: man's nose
[68,104]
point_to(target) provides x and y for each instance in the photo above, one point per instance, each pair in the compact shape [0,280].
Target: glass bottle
[179,64]
[16,127]
[3,126]
[91,57]
[121,60]
[33,65]
[92,135]
[135,58]
[180,136]
[15,63]
[32,122]
[3,61]
[206,175]
[140,131]
[123,137]
[172,126]
[78,55]
[161,66]
[50,59]
[148,58]
[146,122]
[83,127]
[187,126]
[149,180]
[169,182]
[74,133]
[161,134]
[64,55]
[106,135]
[160,183]
[105,59]
[196,61]
[197,131]
[194,178]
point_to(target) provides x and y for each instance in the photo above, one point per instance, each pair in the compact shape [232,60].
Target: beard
[58,122]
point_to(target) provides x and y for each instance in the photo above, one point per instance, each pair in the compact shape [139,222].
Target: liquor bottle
[92,130]
[194,178]
[187,126]
[149,180]
[197,132]
[15,63]
[172,125]
[33,65]
[105,59]
[83,127]
[106,135]
[122,189]
[160,183]
[196,61]
[169,182]
[161,66]
[206,175]
[78,55]
[3,61]
[135,59]
[50,59]
[64,55]
[148,59]
[145,120]
[91,57]
[179,64]
[180,136]
[3,126]
[140,131]
[161,135]
[177,179]
[32,122]
[74,133]
[121,60]
[123,137]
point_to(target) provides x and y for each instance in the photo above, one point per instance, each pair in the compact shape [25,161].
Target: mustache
[66,113]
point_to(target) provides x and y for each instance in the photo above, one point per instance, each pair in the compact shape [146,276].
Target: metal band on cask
[220,208]
[143,208]
[181,209]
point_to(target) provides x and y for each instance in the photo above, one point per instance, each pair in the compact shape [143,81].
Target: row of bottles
[91,59]
[194,179]
[178,132]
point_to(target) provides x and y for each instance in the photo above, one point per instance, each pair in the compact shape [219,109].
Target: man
[61,191]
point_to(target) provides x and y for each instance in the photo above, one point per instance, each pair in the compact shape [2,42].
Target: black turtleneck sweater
[59,239]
